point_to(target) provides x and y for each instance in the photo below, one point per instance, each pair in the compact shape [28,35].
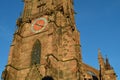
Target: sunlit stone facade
[47,43]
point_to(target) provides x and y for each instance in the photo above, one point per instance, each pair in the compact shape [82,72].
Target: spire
[101,60]
[107,64]
[99,54]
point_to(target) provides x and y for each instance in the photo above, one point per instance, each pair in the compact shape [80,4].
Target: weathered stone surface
[59,51]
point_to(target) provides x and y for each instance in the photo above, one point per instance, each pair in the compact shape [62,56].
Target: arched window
[36,53]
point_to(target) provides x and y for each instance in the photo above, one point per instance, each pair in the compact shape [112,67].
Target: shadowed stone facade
[46,46]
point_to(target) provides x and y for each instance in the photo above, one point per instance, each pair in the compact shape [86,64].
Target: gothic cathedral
[46,46]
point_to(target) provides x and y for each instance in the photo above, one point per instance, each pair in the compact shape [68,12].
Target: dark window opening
[47,78]
[95,78]
[85,79]
[36,51]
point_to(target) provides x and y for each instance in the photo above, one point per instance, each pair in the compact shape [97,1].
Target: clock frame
[39,24]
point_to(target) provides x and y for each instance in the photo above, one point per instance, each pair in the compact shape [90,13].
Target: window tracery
[36,53]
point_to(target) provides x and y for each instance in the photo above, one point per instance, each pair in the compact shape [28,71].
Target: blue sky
[97,20]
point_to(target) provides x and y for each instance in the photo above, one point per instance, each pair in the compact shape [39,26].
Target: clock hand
[38,24]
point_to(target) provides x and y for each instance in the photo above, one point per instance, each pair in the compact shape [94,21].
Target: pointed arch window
[36,53]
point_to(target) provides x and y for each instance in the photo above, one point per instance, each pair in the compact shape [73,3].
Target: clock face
[38,25]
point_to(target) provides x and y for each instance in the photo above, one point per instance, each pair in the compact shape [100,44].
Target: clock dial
[38,25]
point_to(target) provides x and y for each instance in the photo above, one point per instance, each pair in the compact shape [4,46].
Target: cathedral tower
[46,43]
